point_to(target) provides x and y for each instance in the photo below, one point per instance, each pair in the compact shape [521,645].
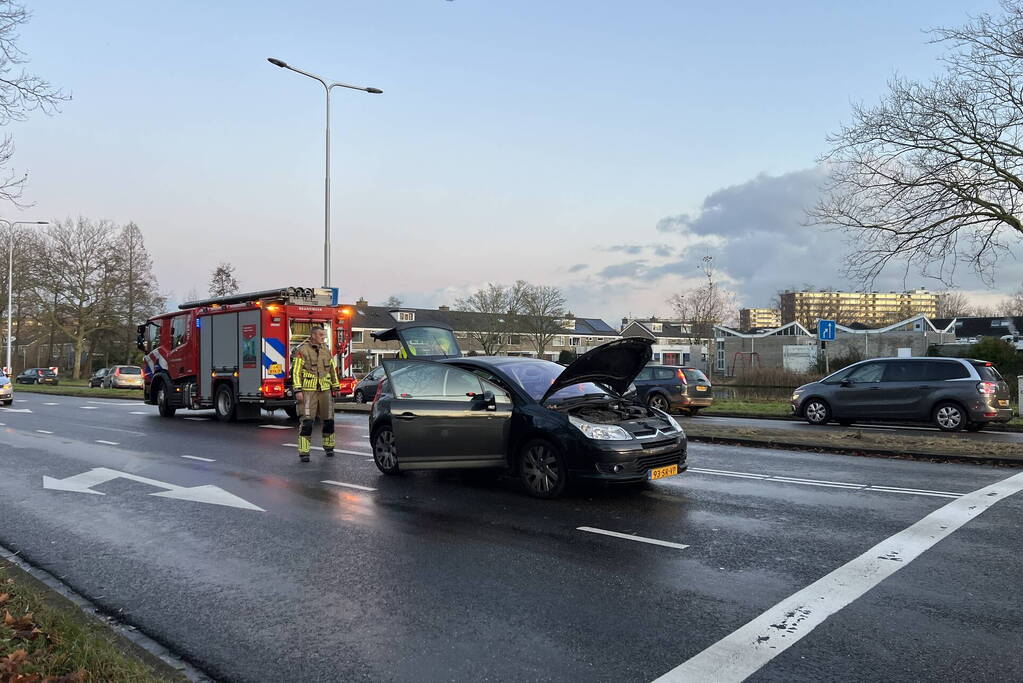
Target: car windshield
[536,377]
[130,370]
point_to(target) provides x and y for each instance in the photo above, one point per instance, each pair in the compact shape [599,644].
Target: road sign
[83,483]
[826,330]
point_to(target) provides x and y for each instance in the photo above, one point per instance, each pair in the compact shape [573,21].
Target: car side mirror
[484,401]
[845,383]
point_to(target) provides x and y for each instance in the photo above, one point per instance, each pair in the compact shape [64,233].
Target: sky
[603,147]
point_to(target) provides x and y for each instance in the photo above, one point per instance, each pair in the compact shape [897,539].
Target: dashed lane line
[88,407]
[43,431]
[138,412]
[632,537]
[196,457]
[198,419]
[348,486]
[336,450]
[745,651]
[276,427]
[107,443]
[824,483]
[51,404]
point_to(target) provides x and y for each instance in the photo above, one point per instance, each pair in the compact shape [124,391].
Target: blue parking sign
[826,330]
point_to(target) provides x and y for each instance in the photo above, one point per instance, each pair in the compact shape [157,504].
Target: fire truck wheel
[291,412]
[163,400]
[225,406]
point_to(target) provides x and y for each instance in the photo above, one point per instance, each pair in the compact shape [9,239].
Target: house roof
[380,318]
[980,326]
[642,328]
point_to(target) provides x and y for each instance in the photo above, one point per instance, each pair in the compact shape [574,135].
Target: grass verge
[44,638]
[79,388]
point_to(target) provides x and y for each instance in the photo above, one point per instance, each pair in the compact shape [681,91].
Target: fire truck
[233,353]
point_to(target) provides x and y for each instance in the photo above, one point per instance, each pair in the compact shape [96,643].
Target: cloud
[629,269]
[578,267]
[662,250]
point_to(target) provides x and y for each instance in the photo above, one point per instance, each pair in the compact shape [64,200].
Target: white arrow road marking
[631,537]
[196,457]
[742,653]
[16,410]
[83,483]
[348,486]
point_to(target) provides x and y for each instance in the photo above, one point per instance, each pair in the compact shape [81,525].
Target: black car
[366,388]
[547,423]
[674,388]
[37,376]
[97,378]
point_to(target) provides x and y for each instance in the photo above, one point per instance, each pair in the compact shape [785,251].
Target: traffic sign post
[826,332]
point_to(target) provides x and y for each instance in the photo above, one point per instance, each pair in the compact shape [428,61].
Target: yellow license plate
[274,369]
[1003,403]
[701,388]
[662,472]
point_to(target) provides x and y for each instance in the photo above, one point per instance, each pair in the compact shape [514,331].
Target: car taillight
[117,372]
[682,376]
[380,389]
[987,388]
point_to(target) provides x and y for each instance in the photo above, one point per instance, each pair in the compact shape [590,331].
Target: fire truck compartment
[231,343]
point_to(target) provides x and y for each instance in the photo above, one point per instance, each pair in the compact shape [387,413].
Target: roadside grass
[44,638]
[76,387]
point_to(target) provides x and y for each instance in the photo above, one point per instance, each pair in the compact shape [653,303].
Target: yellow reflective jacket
[313,368]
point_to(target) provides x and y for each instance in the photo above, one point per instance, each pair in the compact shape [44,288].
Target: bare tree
[393,302]
[223,281]
[541,307]
[705,306]
[496,306]
[931,175]
[1012,305]
[20,93]
[952,304]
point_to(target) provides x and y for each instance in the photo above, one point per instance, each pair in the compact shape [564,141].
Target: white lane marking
[828,484]
[320,448]
[196,457]
[744,651]
[51,404]
[642,539]
[354,452]
[348,486]
[133,404]
[17,410]
[107,443]
[365,436]
[43,431]
[197,419]
[138,412]
[275,427]
[295,445]
[88,407]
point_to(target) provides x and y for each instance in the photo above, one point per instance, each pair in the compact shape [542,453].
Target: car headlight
[600,432]
[795,395]
[673,422]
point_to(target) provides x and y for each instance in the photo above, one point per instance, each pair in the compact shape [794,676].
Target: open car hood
[614,365]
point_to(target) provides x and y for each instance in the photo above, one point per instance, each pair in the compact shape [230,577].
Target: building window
[357,336]
[656,327]
[513,339]
[721,356]
[573,341]
[406,316]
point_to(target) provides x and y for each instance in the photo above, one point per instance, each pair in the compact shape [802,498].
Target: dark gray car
[952,393]
[366,389]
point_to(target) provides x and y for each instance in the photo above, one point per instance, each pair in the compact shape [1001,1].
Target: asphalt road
[451,577]
[906,429]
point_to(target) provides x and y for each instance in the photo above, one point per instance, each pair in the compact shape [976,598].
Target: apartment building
[866,308]
[758,318]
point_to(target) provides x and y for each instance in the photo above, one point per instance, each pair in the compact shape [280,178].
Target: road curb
[789,418]
[868,452]
[127,638]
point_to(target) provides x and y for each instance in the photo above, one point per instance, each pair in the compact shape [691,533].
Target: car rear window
[987,372]
[131,370]
[47,373]
[694,375]
[940,370]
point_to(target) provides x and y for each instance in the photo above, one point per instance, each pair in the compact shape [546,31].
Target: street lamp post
[327,86]
[10,279]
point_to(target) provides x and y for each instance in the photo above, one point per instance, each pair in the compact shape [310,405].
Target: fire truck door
[250,370]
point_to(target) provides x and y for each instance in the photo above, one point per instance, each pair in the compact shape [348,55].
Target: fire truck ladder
[287,295]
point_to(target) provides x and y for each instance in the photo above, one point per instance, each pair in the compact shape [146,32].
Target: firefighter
[314,377]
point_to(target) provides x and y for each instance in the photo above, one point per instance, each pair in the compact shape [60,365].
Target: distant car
[546,423]
[37,376]
[6,390]
[123,377]
[97,378]
[951,393]
[366,388]
[673,388]
[347,386]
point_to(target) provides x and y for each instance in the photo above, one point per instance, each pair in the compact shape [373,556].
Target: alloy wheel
[949,417]
[360,397]
[385,451]
[659,402]
[816,412]
[540,469]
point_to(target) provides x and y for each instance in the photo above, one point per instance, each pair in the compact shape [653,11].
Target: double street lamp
[10,279]
[327,86]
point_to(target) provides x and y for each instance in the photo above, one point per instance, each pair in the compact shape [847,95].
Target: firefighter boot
[304,432]
[328,438]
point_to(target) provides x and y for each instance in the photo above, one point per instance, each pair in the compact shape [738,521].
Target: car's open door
[444,416]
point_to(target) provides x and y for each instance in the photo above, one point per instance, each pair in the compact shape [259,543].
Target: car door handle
[406,416]
[875,388]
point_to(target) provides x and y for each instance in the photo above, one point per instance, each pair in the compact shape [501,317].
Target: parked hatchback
[366,388]
[97,378]
[37,376]
[951,393]
[123,377]
[6,390]
[673,388]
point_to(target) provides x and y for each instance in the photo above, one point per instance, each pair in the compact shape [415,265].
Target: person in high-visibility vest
[314,378]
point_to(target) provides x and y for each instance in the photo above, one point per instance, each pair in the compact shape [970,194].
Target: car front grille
[647,462]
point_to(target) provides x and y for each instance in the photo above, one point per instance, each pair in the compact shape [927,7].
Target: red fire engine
[233,353]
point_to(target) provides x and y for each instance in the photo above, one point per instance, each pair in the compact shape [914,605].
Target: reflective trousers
[315,403]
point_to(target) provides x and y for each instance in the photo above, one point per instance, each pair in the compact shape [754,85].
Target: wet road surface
[252,566]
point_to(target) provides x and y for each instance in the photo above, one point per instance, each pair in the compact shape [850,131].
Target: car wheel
[817,411]
[385,451]
[163,401]
[975,426]
[949,417]
[542,469]
[693,412]
[659,402]
[224,405]
[359,396]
